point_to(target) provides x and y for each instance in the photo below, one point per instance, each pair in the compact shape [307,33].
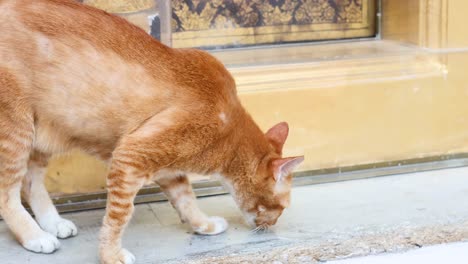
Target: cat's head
[263,199]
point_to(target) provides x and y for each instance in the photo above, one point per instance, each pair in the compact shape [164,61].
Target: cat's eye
[261,208]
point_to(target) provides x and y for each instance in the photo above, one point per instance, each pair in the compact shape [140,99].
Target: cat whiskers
[263,227]
[255,230]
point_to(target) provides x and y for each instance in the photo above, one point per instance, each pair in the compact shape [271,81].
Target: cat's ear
[277,135]
[283,167]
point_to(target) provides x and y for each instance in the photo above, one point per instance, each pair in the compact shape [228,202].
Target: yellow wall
[373,122]
[401,20]
[75,173]
[427,23]
[457,24]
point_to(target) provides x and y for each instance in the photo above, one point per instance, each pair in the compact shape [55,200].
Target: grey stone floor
[324,222]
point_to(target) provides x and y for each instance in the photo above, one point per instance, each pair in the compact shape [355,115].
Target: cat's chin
[249,219]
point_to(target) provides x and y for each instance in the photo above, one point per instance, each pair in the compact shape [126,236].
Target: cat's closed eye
[261,208]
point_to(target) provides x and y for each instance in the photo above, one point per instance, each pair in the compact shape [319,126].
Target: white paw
[61,228]
[43,243]
[215,225]
[123,257]
[126,257]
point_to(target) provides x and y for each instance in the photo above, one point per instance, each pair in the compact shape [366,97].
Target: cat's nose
[265,222]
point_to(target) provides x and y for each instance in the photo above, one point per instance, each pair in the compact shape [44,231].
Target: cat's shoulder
[201,69]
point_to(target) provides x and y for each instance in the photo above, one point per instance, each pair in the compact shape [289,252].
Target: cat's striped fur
[72,76]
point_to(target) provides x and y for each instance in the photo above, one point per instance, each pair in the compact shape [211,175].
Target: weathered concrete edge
[366,244]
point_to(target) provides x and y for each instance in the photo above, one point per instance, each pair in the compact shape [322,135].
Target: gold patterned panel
[221,23]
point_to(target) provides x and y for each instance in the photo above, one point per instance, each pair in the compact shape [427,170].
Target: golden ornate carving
[194,20]
[315,11]
[352,13]
[202,14]
[247,22]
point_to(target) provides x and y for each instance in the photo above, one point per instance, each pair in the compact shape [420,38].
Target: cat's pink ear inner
[285,166]
[278,135]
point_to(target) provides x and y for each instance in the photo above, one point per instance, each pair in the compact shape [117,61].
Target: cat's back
[81,67]
[51,26]
[95,73]
[71,47]
[14,37]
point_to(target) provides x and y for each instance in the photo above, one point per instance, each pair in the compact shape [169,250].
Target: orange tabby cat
[72,76]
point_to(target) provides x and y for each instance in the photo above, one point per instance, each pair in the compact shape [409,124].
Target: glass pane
[151,15]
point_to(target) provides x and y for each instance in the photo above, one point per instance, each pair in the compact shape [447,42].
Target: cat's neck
[236,152]
[244,149]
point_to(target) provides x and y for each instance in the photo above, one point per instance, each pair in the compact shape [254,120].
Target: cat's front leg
[180,194]
[123,182]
